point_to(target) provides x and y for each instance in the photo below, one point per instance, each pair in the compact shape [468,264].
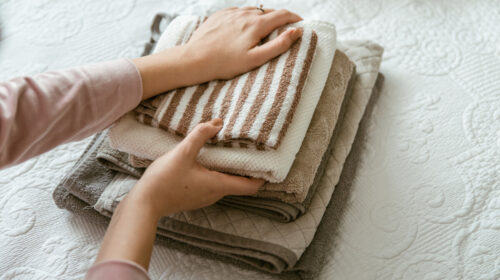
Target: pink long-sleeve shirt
[40,112]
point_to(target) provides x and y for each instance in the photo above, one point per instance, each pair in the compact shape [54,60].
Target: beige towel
[132,137]
[256,107]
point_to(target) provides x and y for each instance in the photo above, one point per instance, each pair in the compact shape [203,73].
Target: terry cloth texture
[256,107]
[324,126]
[260,242]
[130,136]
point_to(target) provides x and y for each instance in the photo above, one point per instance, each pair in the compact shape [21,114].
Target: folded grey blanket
[312,260]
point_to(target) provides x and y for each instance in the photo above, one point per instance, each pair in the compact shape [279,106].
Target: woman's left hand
[225,45]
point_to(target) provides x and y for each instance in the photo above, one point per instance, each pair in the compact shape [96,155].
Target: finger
[237,185]
[263,53]
[275,19]
[194,141]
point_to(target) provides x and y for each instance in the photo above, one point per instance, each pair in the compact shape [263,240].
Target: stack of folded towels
[291,121]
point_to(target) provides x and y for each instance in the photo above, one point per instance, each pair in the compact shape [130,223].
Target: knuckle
[255,60]
[246,25]
[203,128]
[284,42]
[283,12]
[184,149]
[258,23]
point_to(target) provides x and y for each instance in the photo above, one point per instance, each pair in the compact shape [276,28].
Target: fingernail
[297,32]
[217,122]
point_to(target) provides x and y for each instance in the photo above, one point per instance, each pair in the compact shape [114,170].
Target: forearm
[131,233]
[40,112]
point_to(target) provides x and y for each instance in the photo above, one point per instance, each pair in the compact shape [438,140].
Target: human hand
[225,45]
[172,183]
[228,41]
[177,182]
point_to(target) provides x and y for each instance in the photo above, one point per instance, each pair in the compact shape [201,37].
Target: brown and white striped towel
[256,107]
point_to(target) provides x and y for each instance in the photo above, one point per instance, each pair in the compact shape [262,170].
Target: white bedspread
[426,200]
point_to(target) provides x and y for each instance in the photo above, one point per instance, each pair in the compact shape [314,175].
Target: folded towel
[288,198]
[260,242]
[256,107]
[132,137]
[323,128]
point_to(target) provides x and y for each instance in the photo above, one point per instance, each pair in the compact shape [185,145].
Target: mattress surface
[425,203]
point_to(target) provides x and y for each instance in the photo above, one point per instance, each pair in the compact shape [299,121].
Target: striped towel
[256,107]
[130,136]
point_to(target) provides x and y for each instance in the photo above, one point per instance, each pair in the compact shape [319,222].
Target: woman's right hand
[177,182]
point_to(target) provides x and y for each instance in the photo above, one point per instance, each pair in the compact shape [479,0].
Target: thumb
[195,140]
[263,53]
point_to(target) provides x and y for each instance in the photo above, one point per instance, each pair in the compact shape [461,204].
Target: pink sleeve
[40,112]
[117,269]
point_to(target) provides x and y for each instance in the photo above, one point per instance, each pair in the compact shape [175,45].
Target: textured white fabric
[130,136]
[425,201]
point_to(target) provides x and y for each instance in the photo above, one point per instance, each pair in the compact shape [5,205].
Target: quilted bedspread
[425,203]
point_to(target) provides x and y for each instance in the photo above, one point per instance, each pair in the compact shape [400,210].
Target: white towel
[131,137]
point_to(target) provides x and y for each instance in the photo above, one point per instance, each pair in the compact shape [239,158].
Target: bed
[425,202]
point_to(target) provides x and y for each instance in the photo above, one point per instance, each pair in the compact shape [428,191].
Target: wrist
[176,67]
[198,65]
[131,232]
[144,203]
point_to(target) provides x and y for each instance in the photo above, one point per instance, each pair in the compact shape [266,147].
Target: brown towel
[256,107]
